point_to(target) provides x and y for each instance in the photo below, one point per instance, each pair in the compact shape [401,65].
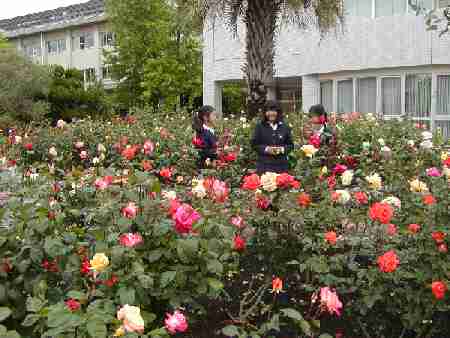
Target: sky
[12,8]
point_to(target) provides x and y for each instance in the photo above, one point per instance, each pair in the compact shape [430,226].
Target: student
[272,140]
[205,139]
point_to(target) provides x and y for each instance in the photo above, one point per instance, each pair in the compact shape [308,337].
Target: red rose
[262,202]
[239,243]
[285,181]
[428,200]
[339,169]
[111,282]
[166,173]
[351,161]
[315,140]
[147,165]
[6,267]
[251,182]
[381,212]
[388,262]
[130,210]
[331,182]
[197,142]
[439,289]
[438,237]
[85,267]
[331,237]
[391,229]
[304,200]
[130,153]
[446,162]
[361,197]
[442,248]
[49,266]
[230,157]
[51,215]
[28,146]
[414,228]
[72,304]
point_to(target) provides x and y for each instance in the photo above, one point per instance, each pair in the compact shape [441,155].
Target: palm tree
[262,18]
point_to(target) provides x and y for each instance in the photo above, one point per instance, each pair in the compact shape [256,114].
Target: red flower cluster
[361,197]
[304,200]
[287,181]
[50,266]
[414,228]
[331,237]
[111,282]
[166,173]
[262,202]
[251,182]
[439,289]
[388,262]
[438,237]
[428,200]
[85,268]
[315,140]
[28,146]
[130,152]
[72,304]
[381,212]
[239,243]
[197,142]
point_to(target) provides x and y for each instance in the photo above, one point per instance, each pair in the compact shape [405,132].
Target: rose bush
[106,229]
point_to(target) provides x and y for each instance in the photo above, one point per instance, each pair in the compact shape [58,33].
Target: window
[345,96]
[326,95]
[443,94]
[107,39]
[358,7]
[86,41]
[106,72]
[32,51]
[366,95]
[444,3]
[389,7]
[56,46]
[418,95]
[89,75]
[391,95]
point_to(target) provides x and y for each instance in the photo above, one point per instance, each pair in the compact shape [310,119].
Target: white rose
[446,172]
[426,135]
[95,160]
[393,201]
[347,177]
[344,196]
[101,148]
[18,139]
[269,181]
[52,152]
[366,145]
[381,142]
[60,124]
[199,190]
[243,119]
[427,144]
[169,195]
[411,143]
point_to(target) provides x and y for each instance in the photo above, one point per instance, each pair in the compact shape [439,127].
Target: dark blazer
[264,136]
[208,150]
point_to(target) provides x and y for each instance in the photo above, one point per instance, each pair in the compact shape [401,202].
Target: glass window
[106,72]
[52,47]
[366,95]
[391,95]
[443,94]
[86,40]
[62,45]
[326,95]
[107,39]
[358,7]
[418,95]
[389,7]
[345,96]
[444,3]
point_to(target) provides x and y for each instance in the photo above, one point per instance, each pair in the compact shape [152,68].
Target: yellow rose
[347,177]
[418,186]
[199,190]
[119,332]
[374,181]
[269,181]
[324,171]
[444,156]
[100,262]
[309,150]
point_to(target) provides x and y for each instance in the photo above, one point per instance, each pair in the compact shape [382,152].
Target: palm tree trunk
[260,20]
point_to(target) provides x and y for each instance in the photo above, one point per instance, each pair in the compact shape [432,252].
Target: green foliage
[68,97]
[232,99]
[158,54]
[23,88]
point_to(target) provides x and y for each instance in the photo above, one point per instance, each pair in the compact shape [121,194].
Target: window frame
[356,91]
[85,44]
[107,39]
[402,95]
[351,79]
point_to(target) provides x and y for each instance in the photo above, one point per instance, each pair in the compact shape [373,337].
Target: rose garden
[107,230]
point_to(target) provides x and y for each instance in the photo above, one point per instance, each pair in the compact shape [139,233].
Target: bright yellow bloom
[309,150]
[374,181]
[269,181]
[119,332]
[100,262]
[418,186]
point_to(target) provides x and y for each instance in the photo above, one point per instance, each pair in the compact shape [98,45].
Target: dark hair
[272,106]
[200,117]
[317,110]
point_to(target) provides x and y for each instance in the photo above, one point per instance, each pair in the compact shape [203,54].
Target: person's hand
[270,150]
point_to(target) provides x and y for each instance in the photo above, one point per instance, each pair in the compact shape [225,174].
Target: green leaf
[34,304]
[215,266]
[96,329]
[146,281]
[54,247]
[30,320]
[230,331]
[3,330]
[215,284]
[325,335]
[127,296]
[306,327]
[76,295]
[154,255]
[4,313]
[157,333]
[167,277]
[11,334]
[292,313]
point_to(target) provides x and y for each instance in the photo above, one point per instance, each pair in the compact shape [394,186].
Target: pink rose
[185,216]
[237,221]
[433,172]
[101,184]
[339,169]
[176,322]
[130,210]
[149,147]
[330,301]
[83,155]
[130,240]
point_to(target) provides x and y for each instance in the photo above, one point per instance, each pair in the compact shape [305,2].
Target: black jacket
[265,136]
[208,149]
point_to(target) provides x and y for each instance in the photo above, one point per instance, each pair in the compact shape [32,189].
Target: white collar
[208,128]
[274,125]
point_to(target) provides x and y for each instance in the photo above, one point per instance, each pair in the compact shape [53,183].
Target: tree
[3,42]
[23,88]
[262,18]
[157,55]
